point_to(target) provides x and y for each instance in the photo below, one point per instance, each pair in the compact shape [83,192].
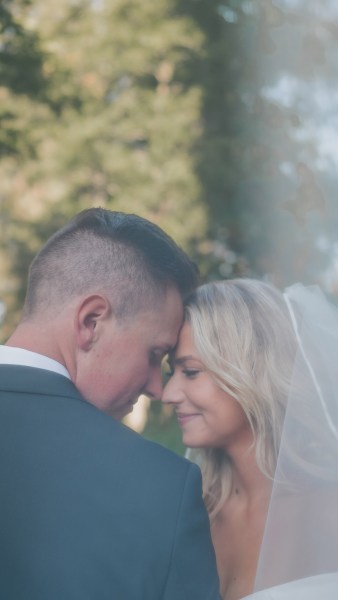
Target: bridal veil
[299,552]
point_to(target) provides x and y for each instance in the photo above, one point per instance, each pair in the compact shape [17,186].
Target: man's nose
[154,386]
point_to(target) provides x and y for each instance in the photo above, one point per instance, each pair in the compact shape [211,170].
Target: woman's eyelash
[190,372]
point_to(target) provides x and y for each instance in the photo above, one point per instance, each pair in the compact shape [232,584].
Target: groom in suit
[89,510]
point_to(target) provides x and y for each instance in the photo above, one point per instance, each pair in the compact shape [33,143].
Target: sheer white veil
[300,543]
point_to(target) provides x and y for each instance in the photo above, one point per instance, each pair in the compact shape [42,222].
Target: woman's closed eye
[190,373]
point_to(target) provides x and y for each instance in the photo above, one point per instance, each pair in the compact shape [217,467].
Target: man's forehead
[165,322]
[169,307]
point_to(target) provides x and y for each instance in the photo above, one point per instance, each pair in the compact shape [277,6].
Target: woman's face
[208,416]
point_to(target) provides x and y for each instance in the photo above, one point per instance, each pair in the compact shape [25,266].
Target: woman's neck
[238,529]
[248,481]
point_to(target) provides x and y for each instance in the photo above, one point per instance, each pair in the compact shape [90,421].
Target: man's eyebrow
[165,348]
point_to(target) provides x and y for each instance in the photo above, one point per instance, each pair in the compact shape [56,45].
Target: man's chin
[122,411]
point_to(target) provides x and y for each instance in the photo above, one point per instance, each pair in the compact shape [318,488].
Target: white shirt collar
[18,356]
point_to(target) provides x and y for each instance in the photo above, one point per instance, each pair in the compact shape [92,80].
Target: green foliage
[162,427]
[114,125]
[21,58]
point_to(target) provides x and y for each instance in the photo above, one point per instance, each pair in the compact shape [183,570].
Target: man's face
[125,361]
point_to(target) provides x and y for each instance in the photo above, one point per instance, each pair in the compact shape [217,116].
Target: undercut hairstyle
[245,339]
[123,255]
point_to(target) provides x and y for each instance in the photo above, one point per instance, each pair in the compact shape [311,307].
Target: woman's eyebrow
[182,359]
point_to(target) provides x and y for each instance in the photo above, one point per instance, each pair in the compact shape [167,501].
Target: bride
[255,388]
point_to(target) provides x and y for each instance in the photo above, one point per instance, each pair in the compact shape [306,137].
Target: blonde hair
[244,337]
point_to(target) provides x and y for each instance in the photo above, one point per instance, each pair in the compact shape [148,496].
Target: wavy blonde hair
[244,337]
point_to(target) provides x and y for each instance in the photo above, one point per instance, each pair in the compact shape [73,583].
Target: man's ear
[90,314]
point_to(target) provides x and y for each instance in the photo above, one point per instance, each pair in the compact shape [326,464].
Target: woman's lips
[184,418]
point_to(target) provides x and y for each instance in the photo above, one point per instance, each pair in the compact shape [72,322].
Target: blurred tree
[203,115]
[23,90]
[115,125]
[261,157]
[258,159]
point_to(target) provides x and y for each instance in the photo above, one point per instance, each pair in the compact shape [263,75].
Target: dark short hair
[123,254]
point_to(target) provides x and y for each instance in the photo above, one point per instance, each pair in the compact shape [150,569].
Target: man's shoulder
[134,444]
[125,452]
[50,399]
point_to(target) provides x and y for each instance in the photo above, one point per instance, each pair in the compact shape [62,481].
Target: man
[89,509]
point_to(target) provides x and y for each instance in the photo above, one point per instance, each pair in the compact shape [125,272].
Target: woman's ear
[90,314]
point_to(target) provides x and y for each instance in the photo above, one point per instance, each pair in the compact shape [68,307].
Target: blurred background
[218,120]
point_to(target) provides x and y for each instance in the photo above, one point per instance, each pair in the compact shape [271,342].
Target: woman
[233,371]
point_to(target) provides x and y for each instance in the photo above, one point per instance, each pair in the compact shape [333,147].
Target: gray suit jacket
[89,510]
